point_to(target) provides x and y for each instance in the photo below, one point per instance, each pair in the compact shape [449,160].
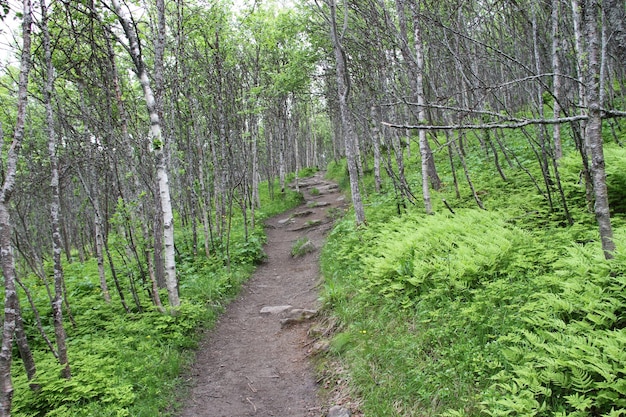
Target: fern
[571,341]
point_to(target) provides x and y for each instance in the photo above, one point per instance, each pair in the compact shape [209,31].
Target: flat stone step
[303,213]
[317,204]
[307,225]
[275,309]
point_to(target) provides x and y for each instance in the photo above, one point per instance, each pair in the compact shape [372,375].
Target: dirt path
[251,364]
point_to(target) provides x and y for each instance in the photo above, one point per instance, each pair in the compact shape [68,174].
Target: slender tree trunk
[220,161]
[544,156]
[57,302]
[158,146]
[205,195]
[156,298]
[452,168]
[39,323]
[254,132]
[282,132]
[7,260]
[375,129]
[426,152]
[593,131]
[396,143]
[415,62]
[116,281]
[467,175]
[616,17]
[556,81]
[343,85]
[582,101]
[296,151]
[26,353]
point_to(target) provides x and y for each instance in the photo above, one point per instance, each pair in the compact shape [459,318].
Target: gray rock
[308,247]
[320,346]
[338,411]
[301,313]
[297,315]
[274,309]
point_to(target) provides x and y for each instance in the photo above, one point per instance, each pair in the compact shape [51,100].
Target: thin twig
[248,399]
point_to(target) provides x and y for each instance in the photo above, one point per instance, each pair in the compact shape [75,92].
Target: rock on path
[254,362]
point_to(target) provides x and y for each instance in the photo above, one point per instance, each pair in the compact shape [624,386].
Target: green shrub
[129,364]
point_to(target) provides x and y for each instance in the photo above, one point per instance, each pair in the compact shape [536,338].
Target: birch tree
[157,143]
[593,130]
[7,260]
[343,89]
[57,302]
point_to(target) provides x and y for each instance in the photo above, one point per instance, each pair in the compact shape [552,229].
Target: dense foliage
[133,364]
[503,311]
[145,129]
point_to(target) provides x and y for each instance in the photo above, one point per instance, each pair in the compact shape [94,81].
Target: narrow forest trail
[255,363]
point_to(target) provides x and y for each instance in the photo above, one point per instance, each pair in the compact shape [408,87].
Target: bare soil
[251,364]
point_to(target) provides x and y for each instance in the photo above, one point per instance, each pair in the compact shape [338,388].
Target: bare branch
[511,125]
[613,113]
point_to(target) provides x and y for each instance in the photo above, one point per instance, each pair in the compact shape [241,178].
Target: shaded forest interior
[144,143]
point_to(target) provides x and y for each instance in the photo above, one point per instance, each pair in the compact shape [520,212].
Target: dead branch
[511,124]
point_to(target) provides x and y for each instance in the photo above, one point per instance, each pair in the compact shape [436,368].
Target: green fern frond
[579,402]
[615,413]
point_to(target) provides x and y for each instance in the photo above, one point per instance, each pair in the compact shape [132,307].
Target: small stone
[316,331]
[338,411]
[274,309]
[297,315]
[308,247]
[301,313]
[320,346]
[322,204]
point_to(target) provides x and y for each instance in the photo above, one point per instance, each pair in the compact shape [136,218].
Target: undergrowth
[503,312]
[131,364]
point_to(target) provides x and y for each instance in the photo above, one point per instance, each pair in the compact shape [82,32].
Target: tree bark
[7,261]
[616,18]
[375,132]
[556,80]
[343,86]
[158,146]
[57,302]
[593,131]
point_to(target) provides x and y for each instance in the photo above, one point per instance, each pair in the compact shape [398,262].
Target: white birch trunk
[556,68]
[57,302]
[376,144]
[7,261]
[156,141]
[425,151]
[256,198]
[593,131]
[104,288]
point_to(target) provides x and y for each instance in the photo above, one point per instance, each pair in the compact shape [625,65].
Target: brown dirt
[250,365]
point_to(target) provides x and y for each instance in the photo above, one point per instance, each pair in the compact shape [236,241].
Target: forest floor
[257,359]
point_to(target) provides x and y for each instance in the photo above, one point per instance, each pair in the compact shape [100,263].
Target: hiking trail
[255,362]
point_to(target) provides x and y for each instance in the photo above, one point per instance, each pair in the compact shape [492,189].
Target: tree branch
[513,124]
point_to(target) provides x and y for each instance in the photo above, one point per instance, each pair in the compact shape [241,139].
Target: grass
[497,312]
[302,246]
